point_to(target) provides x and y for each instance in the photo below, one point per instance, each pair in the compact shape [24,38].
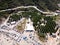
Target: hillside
[41,4]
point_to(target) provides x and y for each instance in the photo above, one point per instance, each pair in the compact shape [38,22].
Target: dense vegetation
[3,15]
[41,4]
[14,17]
[36,18]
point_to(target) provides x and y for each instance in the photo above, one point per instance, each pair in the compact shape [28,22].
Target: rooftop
[29,25]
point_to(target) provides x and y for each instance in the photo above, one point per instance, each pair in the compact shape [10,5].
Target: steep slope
[41,4]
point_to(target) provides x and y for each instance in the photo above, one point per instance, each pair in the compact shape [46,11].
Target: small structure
[43,22]
[58,11]
[12,23]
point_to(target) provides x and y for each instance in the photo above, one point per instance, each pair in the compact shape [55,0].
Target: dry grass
[20,27]
[42,39]
[57,17]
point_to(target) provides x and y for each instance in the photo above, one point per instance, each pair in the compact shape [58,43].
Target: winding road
[22,7]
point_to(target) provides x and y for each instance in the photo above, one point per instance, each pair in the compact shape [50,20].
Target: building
[29,26]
